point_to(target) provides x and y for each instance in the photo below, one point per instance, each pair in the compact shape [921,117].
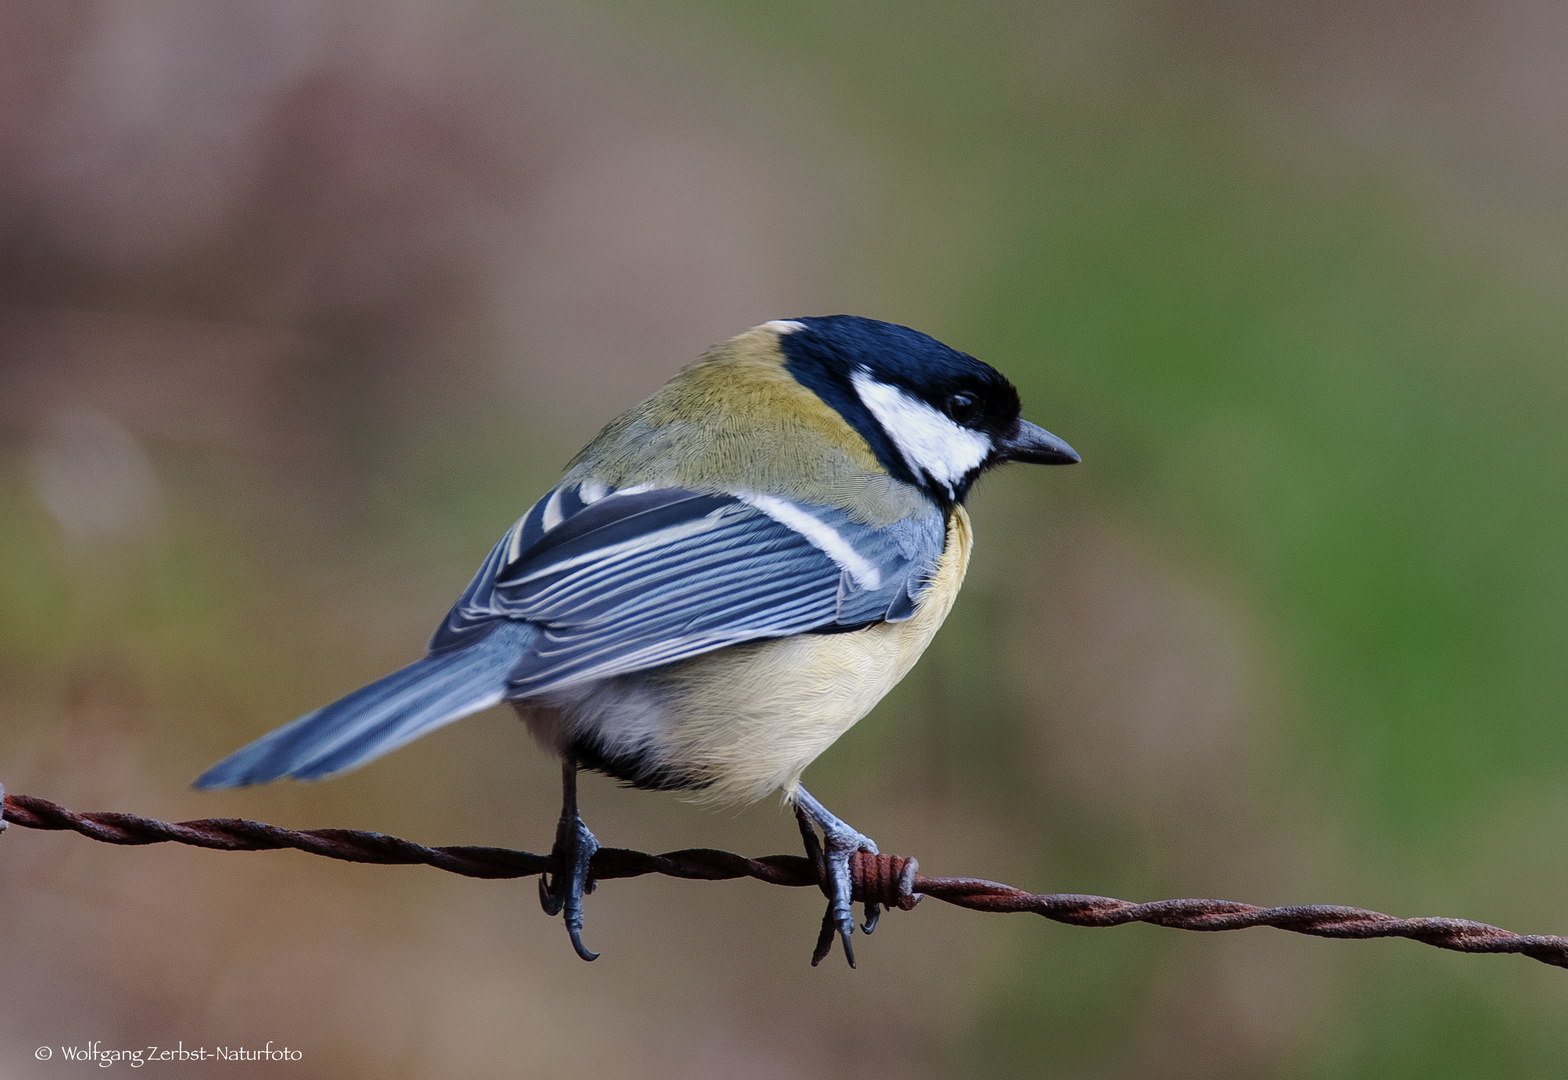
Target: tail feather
[381,717]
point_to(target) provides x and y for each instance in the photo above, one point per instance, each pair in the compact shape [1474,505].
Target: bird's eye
[962,406]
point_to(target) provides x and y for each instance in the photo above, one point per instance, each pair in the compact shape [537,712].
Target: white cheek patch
[929,441]
[784,326]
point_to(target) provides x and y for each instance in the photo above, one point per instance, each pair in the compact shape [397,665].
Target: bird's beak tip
[1033,444]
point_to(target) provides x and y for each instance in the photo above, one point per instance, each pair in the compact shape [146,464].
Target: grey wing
[636,579]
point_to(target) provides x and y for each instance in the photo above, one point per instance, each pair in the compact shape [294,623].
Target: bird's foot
[831,856]
[573,852]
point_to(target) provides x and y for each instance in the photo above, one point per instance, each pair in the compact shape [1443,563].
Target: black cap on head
[935,417]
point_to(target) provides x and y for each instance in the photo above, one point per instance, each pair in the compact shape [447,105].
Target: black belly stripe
[635,769]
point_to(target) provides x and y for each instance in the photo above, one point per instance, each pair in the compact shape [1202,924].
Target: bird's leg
[832,861]
[574,848]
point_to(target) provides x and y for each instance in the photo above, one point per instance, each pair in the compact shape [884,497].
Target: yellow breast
[752,717]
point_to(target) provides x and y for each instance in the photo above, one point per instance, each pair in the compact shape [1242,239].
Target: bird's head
[935,417]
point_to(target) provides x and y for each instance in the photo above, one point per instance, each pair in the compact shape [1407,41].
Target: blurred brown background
[302,303]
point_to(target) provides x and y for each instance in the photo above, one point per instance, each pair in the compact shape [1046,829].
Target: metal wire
[887,880]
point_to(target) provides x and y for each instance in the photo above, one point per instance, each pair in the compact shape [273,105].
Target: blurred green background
[301,304]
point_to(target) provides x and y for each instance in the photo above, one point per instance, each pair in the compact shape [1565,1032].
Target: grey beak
[1033,444]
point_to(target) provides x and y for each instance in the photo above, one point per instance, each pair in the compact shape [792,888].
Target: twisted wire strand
[887,880]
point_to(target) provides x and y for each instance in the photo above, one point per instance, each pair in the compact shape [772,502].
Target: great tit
[725,580]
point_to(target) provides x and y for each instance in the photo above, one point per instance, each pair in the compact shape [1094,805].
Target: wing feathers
[620,581]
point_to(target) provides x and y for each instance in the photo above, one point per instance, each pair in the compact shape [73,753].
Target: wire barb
[884,880]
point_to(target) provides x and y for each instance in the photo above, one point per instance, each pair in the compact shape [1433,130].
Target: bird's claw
[547,898]
[831,857]
[564,890]
[573,853]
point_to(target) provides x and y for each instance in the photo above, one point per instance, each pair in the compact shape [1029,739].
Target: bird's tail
[381,717]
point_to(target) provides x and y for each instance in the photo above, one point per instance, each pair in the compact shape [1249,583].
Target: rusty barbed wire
[887,880]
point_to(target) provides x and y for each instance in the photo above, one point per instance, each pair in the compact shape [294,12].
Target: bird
[725,580]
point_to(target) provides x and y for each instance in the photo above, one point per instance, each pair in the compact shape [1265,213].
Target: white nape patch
[591,491]
[930,442]
[784,326]
[820,536]
[552,511]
